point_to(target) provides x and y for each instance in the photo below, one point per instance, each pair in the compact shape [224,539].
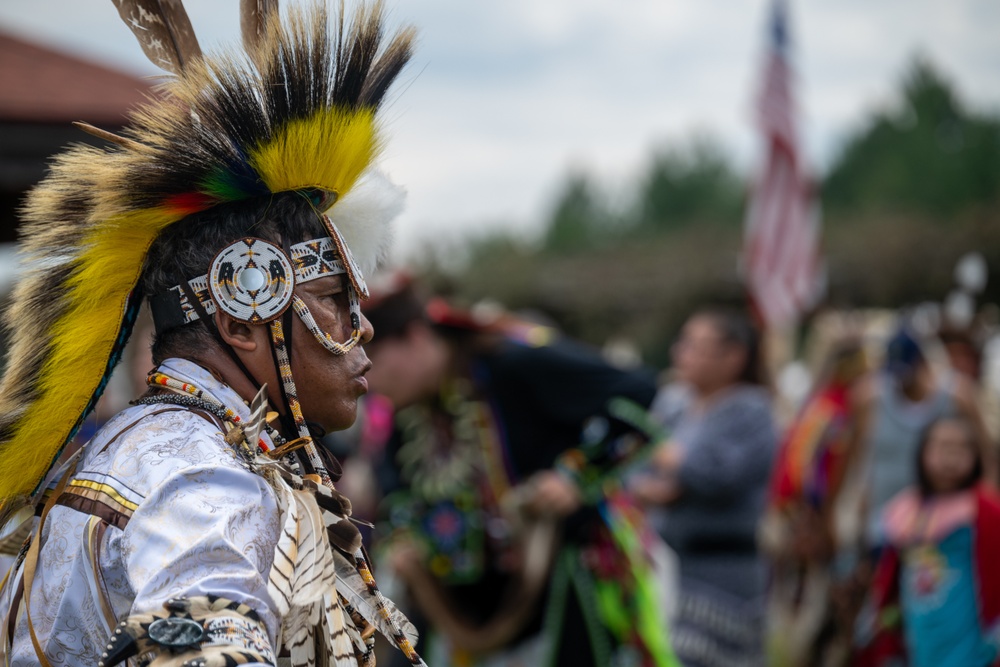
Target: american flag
[781,260]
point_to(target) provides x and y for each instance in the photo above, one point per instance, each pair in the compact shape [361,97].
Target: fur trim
[364,216]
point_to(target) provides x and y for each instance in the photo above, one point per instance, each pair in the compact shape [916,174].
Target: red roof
[41,85]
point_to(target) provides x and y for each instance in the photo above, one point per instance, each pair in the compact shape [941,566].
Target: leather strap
[31,563]
[214,330]
[166,311]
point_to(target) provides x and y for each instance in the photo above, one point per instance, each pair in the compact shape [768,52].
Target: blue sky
[504,99]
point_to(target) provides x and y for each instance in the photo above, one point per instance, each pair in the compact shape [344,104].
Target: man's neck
[225,370]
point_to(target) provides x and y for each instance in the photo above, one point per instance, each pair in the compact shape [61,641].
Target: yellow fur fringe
[298,156]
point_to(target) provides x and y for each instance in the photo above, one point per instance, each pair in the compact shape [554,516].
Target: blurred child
[937,587]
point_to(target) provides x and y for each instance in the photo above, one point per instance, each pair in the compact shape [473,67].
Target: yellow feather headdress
[297,110]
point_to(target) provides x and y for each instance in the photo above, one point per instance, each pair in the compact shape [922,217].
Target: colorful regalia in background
[497,582]
[800,528]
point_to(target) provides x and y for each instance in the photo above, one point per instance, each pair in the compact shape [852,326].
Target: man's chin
[344,419]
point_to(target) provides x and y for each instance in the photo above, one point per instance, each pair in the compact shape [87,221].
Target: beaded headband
[253,280]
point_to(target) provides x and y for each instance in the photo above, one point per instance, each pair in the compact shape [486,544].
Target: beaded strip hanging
[291,393]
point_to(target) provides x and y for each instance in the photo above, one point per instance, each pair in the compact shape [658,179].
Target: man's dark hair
[186,249]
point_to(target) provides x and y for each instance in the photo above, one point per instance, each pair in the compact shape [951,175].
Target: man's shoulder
[144,445]
[154,422]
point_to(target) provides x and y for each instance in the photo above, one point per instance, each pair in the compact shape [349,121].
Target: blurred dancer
[800,531]
[710,484]
[939,566]
[502,530]
[964,353]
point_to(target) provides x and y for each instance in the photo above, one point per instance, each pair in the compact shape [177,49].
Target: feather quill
[255,15]
[339,644]
[254,425]
[118,139]
[163,30]
[356,592]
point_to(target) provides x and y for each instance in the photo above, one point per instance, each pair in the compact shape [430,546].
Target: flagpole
[780,258]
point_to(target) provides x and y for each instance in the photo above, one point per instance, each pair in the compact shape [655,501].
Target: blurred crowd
[531,500]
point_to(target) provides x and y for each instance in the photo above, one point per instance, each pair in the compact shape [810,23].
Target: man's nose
[367,330]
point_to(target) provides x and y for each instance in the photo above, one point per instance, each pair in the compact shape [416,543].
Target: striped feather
[255,17]
[300,632]
[279,580]
[163,30]
[255,423]
[383,614]
[340,647]
[303,569]
[315,571]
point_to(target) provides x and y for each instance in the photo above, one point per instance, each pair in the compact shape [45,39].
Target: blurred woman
[707,487]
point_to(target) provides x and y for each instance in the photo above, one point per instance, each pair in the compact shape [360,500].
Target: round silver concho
[176,632]
[252,280]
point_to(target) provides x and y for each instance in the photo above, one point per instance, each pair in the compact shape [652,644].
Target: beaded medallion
[252,280]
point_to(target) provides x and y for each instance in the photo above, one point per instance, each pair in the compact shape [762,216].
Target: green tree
[690,184]
[579,219]
[929,155]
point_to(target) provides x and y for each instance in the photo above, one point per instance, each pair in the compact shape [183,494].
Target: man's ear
[238,335]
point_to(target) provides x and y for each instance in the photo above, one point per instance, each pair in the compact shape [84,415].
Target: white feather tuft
[364,216]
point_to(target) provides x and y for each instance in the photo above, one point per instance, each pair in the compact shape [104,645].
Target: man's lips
[360,377]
